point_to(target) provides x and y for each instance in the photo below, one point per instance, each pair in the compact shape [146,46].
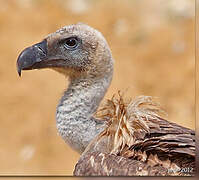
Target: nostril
[41,50]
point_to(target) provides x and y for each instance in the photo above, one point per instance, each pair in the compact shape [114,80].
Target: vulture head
[77,51]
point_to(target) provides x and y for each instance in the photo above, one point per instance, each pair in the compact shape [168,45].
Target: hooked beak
[32,57]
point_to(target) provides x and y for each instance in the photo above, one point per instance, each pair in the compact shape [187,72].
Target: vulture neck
[75,121]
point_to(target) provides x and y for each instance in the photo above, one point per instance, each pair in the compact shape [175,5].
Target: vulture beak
[31,57]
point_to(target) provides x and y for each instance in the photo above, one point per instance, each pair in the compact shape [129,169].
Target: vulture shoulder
[137,141]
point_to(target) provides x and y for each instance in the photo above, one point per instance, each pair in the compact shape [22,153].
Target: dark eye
[71,42]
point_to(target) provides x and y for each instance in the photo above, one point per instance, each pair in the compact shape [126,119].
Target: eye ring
[71,43]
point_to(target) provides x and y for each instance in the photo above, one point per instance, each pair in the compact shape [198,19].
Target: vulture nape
[121,138]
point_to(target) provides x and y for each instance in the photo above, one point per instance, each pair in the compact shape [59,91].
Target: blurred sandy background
[153,46]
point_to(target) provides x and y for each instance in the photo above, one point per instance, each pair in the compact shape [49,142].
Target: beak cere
[30,57]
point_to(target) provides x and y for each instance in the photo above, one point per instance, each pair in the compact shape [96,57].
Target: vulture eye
[71,42]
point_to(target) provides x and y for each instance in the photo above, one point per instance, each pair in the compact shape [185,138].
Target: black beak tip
[19,72]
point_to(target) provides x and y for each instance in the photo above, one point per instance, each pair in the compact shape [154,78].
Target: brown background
[153,46]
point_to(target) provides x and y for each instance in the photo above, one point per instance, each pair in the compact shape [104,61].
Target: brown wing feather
[100,164]
[169,141]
